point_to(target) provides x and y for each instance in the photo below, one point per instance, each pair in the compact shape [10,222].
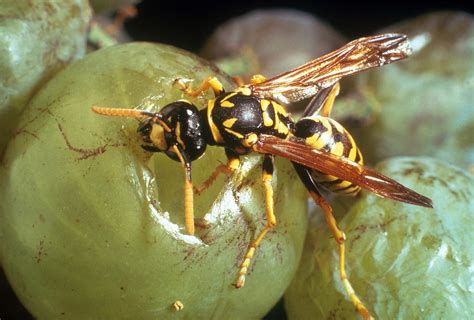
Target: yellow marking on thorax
[216,135]
[282,128]
[235,133]
[264,103]
[279,109]
[229,122]
[277,121]
[230,95]
[267,121]
[226,104]
[244,90]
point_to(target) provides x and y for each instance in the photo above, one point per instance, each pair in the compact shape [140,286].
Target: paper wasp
[251,118]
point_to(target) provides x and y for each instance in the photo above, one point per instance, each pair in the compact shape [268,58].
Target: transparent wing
[340,167]
[358,55]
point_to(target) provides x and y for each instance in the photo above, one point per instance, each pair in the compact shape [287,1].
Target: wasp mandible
[251,118]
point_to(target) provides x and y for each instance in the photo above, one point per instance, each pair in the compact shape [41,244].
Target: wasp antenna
[118,112]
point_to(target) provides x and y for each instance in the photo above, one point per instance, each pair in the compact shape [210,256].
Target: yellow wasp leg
[188,190]
[322,102]
[271,220]
[211,82]
[305,176]
[340,238]
[328,104]
[233,163]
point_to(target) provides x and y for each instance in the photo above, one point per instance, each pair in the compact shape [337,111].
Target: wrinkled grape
[278,39]
[424,104]
[90,229]
[404,261]
[37,38]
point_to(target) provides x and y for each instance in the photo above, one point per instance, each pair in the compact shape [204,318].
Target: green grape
[271,41]
[424,104]
[92,229]
[404,261]
[37,38]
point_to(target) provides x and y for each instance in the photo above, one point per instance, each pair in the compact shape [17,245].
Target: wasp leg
[323,102]
[233,163]
[211,82]
[271,220]
[305,176]
[188,190]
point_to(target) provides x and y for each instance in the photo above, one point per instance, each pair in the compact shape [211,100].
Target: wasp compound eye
[145,128]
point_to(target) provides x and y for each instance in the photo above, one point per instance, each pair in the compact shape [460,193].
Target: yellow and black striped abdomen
[326,134]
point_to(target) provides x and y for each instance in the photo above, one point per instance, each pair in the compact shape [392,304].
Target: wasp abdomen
[326,134]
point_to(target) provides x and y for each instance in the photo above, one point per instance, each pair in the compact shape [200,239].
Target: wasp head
[156,134]
[178,124]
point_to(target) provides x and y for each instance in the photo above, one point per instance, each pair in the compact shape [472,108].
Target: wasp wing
[340,167]
[358,55]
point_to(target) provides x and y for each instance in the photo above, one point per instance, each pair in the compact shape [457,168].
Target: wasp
[252,118]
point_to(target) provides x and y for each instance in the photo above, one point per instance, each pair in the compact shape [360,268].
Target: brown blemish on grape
[87,153]
[361,229]
[40,253]
[245,183]
[23,130]
[334,314]
[418,171]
